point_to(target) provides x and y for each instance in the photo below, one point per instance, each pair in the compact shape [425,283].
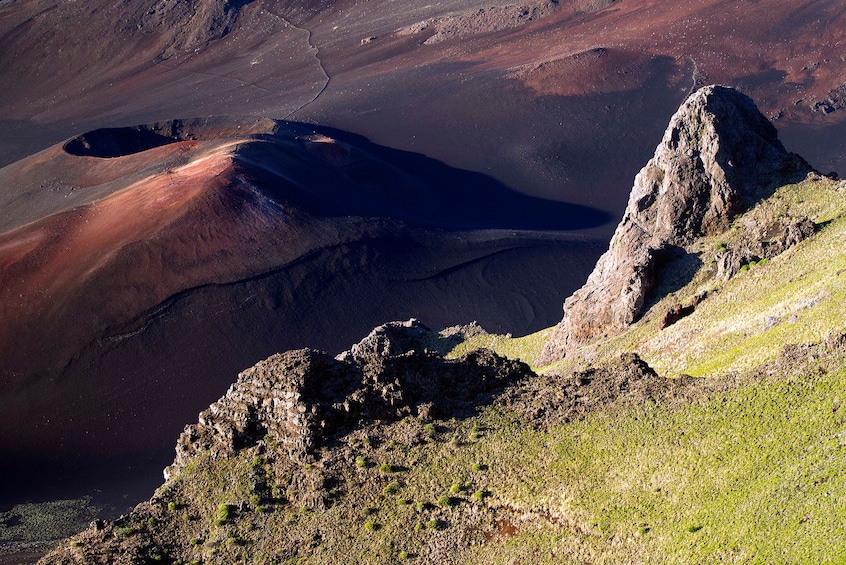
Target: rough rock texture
[482,20]
[763,242]
[389,340]
[679,311]
[558,399]
[718,156]
[298,399]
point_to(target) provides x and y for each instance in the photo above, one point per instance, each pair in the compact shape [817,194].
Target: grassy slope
[797,297]
[759,468]
[753,470]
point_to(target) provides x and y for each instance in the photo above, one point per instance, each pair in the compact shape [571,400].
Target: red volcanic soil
[468,160]
[188,250]
[524,98]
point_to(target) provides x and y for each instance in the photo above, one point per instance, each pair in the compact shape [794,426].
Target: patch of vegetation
[526,349]
[749,469]
[224,512]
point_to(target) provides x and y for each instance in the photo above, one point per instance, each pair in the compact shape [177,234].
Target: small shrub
[196,541]
[386,468]
[720,246]
[124,532]
[232,539]
[223,513]
[171,506]
[456,488]
[418,526]
[75,543]
[434,524]
[403,555]
[371,526]
[479,467]
[360,462]
[392,488]
[444,501]
[429,429]
[255,500]
[478,496]
[693,529]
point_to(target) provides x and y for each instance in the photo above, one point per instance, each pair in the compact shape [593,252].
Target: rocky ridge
[305,431]
[292,423]
[719,155]
[299,399]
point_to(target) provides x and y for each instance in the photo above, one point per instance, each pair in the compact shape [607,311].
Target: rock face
[718,156]
[763,242]
[298,399]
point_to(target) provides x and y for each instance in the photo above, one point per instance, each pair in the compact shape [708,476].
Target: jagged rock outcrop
[390,340]
[297,399]
[763,242]
[718,156]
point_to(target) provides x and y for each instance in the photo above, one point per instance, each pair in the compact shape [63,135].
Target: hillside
[452,161]
[173,254]
[706,428]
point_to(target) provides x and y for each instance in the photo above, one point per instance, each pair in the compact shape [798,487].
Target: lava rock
[718,156]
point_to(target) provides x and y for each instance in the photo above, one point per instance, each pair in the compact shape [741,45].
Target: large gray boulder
[718,156]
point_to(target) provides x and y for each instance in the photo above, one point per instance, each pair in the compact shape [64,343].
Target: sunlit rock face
[718,156]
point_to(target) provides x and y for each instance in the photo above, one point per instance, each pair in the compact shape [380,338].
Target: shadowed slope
[170,267]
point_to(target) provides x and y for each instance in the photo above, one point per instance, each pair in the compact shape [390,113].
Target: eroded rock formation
[297,399]
[718,156]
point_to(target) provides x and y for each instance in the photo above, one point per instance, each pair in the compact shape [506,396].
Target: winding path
[313,48]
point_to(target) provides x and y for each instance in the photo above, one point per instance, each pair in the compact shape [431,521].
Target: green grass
[758,473]
[754,472]
[526,349]
[795,297]
[739,326]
